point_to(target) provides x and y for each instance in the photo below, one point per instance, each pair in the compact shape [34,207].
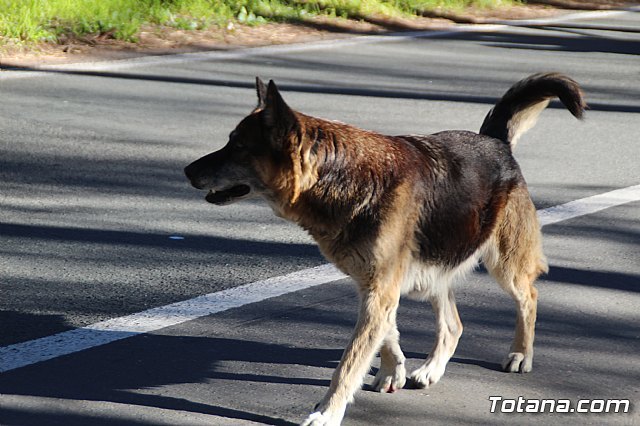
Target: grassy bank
[27,21]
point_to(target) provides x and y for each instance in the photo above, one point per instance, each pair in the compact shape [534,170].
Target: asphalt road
[92,190]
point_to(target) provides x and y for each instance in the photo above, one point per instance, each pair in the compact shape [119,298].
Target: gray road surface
[92,188]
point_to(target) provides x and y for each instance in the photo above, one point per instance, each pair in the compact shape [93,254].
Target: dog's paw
[321,419]
[517,362]
[390,379]
[428,374]
[315,419]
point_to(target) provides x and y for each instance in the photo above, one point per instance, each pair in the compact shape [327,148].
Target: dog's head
[262,156]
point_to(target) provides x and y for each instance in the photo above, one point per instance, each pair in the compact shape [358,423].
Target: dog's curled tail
[519,108]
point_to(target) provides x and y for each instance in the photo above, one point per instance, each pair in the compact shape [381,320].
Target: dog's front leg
[378,307]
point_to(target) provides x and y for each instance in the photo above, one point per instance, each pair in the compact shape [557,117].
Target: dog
[401,215]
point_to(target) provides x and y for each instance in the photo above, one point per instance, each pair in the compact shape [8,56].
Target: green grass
[25,21]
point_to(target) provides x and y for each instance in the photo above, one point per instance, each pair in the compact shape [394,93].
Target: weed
[26,21]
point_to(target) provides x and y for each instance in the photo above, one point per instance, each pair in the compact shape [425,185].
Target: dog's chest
[423,281]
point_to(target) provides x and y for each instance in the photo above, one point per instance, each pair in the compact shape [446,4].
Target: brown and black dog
[402,215]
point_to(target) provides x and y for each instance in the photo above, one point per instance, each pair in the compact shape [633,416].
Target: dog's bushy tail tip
[517,111]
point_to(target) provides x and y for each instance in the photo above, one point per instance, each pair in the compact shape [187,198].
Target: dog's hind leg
[448,331]
[514,257]
[520,357]
[392,374]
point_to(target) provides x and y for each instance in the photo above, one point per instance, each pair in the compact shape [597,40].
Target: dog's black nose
[200,172]
[188,171]
[192,174]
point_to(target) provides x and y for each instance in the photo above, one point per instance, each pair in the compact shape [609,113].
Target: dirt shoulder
[158,40]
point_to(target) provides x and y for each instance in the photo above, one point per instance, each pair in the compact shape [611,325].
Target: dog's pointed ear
[276,112]
[261,90]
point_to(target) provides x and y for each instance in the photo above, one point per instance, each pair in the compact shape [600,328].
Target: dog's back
[465,180]
[467,177]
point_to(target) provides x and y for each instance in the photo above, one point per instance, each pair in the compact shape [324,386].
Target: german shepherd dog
[401,215]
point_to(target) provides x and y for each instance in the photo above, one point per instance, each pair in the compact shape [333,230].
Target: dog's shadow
[493,366]
[118,371]
[148,371]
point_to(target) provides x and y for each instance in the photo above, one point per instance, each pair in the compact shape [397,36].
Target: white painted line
[593,14]
[238,53]
[589,205]
[165,60]
[101,333]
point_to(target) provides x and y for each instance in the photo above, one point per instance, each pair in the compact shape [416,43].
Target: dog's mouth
[227,196]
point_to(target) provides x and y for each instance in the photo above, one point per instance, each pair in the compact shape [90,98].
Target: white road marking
[45,348]
[101,333]
[589,205]
[298,47]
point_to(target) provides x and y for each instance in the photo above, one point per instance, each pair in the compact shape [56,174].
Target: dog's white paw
[428,374]
[517,362]
[390,379]
[315,419]
[321,419]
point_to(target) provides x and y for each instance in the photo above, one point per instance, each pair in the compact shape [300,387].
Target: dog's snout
[188,171]
[192,174]
[201,171]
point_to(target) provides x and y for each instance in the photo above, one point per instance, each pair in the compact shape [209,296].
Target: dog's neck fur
[332,203]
